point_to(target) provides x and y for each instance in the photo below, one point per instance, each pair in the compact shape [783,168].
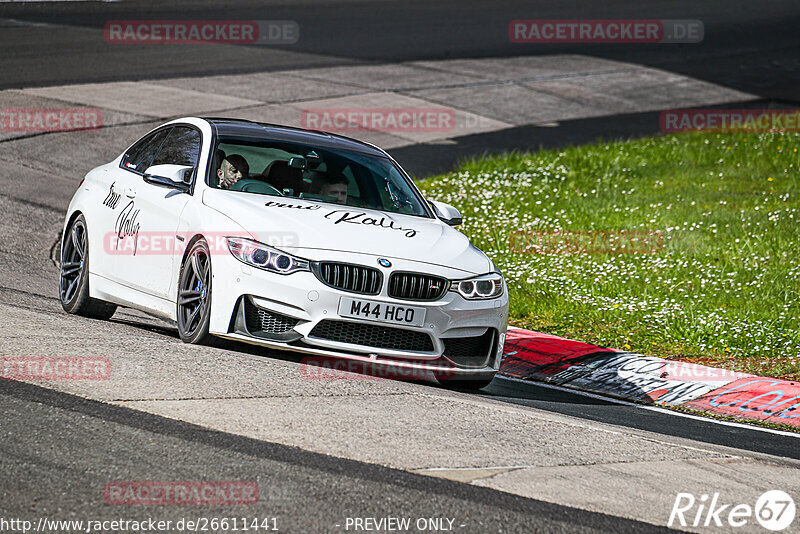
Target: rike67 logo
[774,510]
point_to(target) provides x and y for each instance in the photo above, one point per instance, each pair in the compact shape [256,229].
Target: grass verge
[683,246]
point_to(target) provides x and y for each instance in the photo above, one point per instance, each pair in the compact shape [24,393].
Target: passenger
[333,185]
[232,169]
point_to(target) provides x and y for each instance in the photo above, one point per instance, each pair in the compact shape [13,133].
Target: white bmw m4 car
[287,238]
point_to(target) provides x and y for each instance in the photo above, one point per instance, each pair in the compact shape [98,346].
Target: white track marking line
[653,408]
[50,1]
[16,23]
[487,468]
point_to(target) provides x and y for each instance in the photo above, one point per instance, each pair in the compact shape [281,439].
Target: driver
[233,168]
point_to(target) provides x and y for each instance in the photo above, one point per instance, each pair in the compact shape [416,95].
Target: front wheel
[194,294]
[73,287]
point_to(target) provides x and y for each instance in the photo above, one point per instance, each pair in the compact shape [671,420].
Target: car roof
[258,130]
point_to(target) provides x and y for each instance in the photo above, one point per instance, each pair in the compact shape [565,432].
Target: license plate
[381,312]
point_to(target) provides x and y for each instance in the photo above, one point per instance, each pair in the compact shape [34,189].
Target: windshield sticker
[362,218]
[112,199]
[344,216]
[273,204]
[127,226]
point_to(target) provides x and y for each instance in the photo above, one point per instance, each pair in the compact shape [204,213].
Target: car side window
[140,156]
[182,147]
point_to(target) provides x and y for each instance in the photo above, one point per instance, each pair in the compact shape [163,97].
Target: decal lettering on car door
[112,199]
[127,225]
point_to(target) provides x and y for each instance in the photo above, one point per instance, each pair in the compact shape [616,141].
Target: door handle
[130,192]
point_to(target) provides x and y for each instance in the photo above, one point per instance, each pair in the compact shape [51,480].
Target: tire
[73,286]
[194,295]
[451,382]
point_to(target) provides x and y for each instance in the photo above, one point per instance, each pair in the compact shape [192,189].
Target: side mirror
[173,176]
[447,213]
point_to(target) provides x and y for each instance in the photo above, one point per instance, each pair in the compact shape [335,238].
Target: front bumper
[298,312]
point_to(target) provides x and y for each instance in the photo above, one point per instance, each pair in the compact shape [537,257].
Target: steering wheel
[251,185]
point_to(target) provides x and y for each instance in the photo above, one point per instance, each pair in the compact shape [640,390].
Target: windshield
[316,174]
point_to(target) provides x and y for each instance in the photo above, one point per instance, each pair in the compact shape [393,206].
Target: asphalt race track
[312,491]
[751,50]
[518,457]
[746,48]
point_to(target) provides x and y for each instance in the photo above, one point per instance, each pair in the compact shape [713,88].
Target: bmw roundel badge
[384,262]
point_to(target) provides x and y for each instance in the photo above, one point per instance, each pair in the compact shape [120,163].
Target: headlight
[486,286]
[265,257]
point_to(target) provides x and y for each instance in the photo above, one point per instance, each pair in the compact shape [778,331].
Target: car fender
[200,221]
[87,200]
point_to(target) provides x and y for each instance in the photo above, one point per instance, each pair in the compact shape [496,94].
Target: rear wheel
[74,276]
[194,294]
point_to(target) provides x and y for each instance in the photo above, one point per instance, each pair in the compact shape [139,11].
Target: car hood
[302,227]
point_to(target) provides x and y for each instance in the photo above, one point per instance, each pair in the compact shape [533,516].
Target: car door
[118,204]
[152,217]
